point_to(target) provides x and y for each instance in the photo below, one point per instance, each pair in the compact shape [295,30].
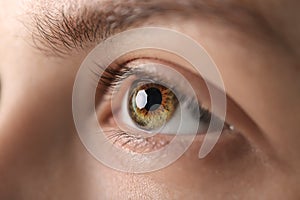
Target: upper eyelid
[112,78]
[59,30]
[127,66]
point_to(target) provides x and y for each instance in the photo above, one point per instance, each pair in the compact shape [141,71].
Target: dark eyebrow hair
[60,27]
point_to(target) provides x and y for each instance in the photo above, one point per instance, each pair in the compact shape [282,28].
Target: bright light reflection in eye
[141,99]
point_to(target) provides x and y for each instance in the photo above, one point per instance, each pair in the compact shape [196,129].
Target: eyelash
[111,78]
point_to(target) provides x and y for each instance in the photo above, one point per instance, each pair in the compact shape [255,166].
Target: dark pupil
[154,99]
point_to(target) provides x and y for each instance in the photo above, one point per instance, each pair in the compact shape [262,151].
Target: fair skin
[41,156]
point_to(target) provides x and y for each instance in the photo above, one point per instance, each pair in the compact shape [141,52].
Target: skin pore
[41,156]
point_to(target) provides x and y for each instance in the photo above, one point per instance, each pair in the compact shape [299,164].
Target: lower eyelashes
[137,143]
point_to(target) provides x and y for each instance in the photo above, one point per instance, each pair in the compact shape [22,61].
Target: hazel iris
[151,105]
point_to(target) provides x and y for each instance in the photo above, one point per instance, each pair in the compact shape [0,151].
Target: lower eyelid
[143,144]
[138,144]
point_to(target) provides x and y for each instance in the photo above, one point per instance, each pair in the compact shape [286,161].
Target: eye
[148,103]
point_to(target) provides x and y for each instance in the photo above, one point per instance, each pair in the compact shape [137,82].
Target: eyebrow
[58,28]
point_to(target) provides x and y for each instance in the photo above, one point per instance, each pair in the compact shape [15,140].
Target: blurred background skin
[41,156]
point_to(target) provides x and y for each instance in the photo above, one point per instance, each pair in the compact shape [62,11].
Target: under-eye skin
[147,105]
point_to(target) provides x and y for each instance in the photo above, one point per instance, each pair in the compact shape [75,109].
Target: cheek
[110,184]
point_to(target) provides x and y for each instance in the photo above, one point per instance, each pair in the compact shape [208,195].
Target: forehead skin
[40,149]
